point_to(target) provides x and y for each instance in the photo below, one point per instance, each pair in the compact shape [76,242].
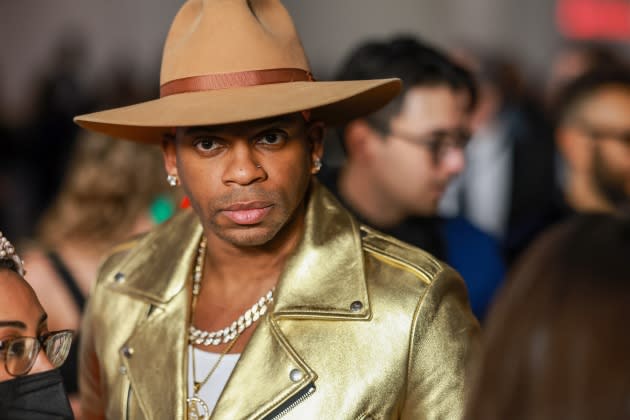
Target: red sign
[594,19]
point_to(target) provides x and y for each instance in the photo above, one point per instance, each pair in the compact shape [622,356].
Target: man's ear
[169,151]
[315,133]
[576,148]
[358,137]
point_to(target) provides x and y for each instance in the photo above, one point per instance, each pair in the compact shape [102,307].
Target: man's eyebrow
[14,324]
[253,125]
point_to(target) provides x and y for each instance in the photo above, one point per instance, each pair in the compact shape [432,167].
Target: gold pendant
[197,409]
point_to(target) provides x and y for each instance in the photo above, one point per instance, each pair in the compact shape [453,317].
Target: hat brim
[331,102]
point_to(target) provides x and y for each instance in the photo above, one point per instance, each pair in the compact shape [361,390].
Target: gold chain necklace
[197,407]
[229,333]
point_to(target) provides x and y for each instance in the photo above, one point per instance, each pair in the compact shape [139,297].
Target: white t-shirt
[204,361]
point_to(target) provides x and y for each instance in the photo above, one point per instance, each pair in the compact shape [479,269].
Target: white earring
[7,252]
[172,180]
[318,165]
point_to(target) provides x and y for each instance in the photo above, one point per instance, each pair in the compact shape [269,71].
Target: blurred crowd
[506,161]
[509,162]
[69,196]
[38,142]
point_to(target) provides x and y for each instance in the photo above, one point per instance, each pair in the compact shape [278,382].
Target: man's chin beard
[616,197]
[611,186]
[246,239]
[621,202]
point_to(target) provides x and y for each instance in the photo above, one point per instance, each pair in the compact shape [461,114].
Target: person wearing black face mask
[31,386]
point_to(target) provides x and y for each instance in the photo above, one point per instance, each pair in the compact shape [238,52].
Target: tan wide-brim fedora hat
[228,61]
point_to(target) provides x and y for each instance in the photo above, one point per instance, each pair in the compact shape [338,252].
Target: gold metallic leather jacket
[363,327]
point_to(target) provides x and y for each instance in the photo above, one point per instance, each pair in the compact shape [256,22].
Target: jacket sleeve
[445,337]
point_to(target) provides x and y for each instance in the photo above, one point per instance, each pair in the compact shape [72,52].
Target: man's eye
[205,144]
[272,138]
[436,146]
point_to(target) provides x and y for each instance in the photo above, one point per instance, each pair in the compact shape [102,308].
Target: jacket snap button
[296,375]
[127,352]
[356,306]
[122,370]
[119,278]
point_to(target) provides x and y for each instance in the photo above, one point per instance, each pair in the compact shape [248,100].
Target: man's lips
[248,213]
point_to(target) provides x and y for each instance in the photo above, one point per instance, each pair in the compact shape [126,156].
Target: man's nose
[242,166]
[454,161]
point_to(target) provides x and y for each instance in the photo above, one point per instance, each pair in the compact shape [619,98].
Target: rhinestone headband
[7,252]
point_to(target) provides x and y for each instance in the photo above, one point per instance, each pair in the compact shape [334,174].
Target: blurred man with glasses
[593,137]
[400,159]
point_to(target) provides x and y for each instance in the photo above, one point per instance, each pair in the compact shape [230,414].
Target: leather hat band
[234,80]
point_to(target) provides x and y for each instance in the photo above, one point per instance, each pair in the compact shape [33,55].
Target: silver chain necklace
[227,334]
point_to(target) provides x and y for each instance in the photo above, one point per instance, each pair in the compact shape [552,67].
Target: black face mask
[40,396]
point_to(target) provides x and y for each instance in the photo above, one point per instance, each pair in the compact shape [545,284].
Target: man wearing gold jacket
[267,299]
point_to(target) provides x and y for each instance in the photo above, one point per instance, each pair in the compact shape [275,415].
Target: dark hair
[7,263]
[596,54]
[583,87]
[556,341]
[415,63]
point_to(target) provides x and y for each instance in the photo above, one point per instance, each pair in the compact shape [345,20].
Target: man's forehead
[287,119]
[608,104]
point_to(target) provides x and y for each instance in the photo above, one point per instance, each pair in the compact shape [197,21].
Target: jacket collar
[159,265]
[326,275]
[320,279]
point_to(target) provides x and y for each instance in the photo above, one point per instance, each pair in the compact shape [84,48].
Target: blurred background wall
[133,31]
[331,27]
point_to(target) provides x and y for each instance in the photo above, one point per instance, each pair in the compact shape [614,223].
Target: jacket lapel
[326,275]
[262,379]
[324,279]
[154,354]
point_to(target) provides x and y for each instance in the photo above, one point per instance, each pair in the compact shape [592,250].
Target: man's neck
[356,187]
[230,270]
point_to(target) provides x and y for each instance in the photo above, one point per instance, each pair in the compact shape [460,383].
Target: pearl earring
[172,180]
[318,165]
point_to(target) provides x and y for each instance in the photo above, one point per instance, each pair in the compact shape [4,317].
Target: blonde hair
[108,186]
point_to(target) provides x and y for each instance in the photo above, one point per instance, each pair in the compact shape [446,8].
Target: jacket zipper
[292,403]
[128,402]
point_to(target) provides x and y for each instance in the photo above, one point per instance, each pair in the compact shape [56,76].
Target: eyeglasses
[438,143]
[19,353]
